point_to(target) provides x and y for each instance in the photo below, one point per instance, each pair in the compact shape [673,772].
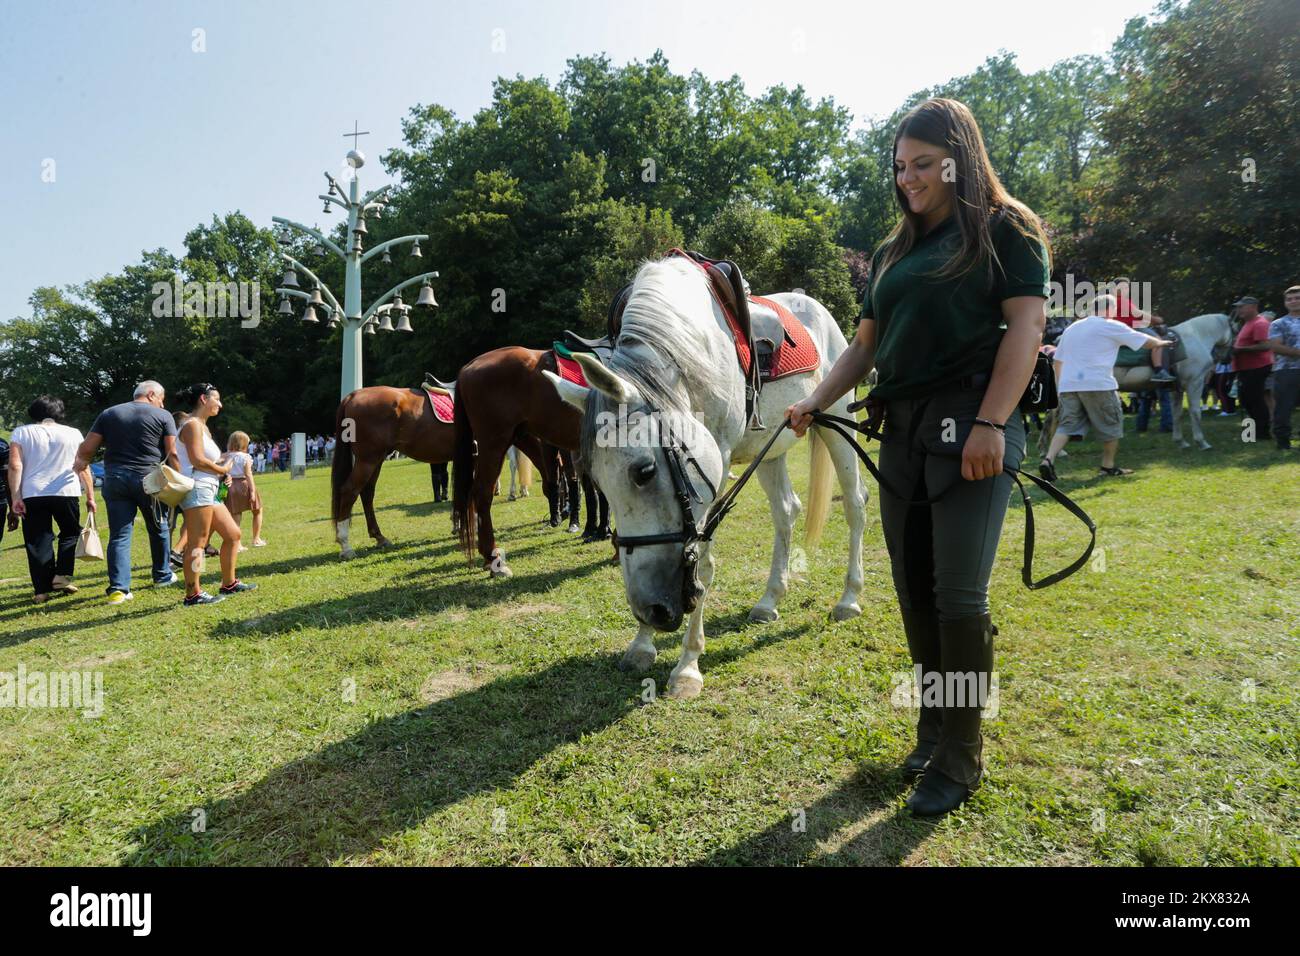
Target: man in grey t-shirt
[136,436]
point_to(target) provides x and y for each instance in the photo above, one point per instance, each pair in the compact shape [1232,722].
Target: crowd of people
[48,473]
[1260,369]
[275,455]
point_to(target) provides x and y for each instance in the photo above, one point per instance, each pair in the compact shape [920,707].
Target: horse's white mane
[663,316]
[663,342]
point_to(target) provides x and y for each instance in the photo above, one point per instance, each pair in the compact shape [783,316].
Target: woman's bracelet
[988,424]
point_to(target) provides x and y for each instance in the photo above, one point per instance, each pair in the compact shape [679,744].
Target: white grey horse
[1199,336]
[676,358]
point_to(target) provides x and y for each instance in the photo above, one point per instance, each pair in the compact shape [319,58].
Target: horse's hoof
[763,615]
[846,612]
[637,660]
[685,686]
[500,571]
[382,542]
[347,555]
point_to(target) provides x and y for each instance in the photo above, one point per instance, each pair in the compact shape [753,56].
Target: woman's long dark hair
[978,194]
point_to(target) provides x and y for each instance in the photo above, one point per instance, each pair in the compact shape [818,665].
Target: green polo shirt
[932,331]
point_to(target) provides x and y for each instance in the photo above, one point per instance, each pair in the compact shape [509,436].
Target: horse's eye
[643,473]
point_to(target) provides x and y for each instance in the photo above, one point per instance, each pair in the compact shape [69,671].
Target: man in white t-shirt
[45,486]
[1089,394]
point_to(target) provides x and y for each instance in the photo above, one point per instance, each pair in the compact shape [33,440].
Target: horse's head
[659,468]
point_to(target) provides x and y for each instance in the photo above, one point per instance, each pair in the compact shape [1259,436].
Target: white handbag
[167,485]
[89,547]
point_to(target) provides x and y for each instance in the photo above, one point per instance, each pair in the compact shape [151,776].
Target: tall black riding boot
[966,650]
[922,628]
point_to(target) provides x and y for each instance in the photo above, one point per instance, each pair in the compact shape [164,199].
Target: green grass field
[1147,706]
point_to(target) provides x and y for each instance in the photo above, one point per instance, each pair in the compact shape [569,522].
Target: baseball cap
[1247,300]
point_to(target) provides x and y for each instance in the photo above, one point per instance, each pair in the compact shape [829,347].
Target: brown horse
[502,399]
[371,423]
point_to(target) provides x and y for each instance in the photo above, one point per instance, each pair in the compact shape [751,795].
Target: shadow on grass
[81,624]
[871,791]
[387,603]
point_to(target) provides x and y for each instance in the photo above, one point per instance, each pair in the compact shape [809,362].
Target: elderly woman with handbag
[45,488]
[199,455]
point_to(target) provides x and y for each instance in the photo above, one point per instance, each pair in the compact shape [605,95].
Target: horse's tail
[341,467]
[462,495]
[820,475]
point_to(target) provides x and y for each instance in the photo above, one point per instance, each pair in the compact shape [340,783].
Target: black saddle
[601,347]
[431,379]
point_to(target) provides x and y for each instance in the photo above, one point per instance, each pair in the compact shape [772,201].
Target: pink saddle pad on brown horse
[443,405]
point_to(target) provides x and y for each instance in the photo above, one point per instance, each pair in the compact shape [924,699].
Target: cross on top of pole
[355,134]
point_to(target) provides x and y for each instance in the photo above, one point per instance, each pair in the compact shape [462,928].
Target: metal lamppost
[382,311]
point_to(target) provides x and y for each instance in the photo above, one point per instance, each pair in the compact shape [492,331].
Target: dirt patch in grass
[99,660]
[458,680]
[511,611]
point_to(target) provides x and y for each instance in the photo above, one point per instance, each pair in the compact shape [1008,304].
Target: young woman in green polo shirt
[952,320]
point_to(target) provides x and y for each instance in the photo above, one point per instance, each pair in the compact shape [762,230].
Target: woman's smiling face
[918,171]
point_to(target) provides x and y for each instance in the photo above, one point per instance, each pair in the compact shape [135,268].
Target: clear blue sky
[150,138]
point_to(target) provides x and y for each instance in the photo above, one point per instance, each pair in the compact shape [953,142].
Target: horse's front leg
[784,504]
[686,681]
[1194,403]
[641,653]
[855,512]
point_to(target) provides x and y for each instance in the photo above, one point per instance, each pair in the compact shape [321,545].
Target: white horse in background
[675,356]
[1200,336]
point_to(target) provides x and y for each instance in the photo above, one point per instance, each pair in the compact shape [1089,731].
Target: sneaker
[236,586]
[119,597]
[203,597]
[65,585]
[1163,377]
[170,579]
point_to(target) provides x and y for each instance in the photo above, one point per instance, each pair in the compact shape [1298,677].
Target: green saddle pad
[1131,358]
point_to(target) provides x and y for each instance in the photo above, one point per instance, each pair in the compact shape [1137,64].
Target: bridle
[693,533]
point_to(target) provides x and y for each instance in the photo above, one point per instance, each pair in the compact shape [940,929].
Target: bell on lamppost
[290,280]
[334,321]
[370,327]
[387,259]
[285,307]
[397,301]
[326,209]
[361,227]
[386,323]
[315,296]
[426,295]
[309,314]
[404,321]
[415,250]
[379,212]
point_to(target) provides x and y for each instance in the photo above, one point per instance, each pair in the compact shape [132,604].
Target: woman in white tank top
[199,455]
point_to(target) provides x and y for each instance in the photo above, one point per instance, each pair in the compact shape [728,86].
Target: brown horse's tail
[462,494]
[342,465]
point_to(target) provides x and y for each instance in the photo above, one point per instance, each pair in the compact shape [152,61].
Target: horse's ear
[571,392]
[605,380]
